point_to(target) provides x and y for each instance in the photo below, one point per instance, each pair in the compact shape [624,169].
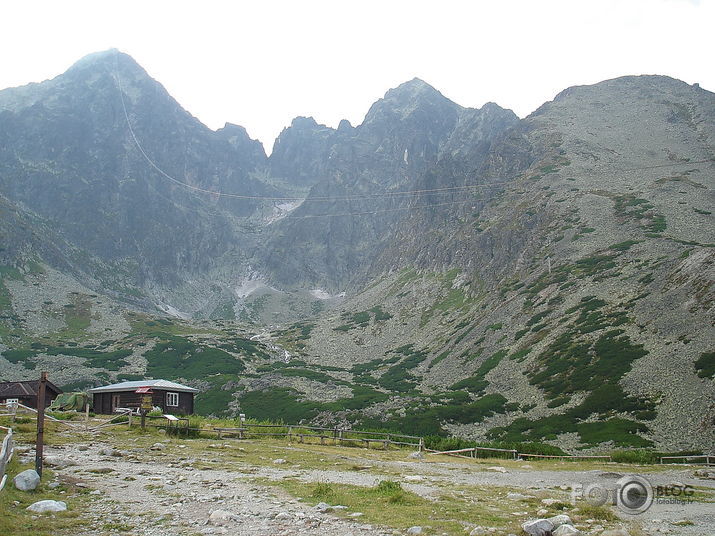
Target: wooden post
[86,414]
[39,445]
[143,414]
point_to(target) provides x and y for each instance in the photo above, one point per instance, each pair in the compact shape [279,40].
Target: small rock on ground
[46,506]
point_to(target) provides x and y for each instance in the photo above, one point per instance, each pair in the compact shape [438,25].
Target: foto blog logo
[632,494]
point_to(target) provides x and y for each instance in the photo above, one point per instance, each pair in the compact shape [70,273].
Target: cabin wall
[130,399]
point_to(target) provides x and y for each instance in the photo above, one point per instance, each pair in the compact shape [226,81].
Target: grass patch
[388,504]
[705,365]
[15,520]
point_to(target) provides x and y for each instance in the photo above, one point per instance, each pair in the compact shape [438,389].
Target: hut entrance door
[115,401]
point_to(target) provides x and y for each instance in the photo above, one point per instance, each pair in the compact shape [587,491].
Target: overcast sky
[263,62]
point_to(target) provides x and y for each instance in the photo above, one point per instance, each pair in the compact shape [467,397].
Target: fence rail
[709,459]
[335,435]
[5,455]
[473,450]
[514,454]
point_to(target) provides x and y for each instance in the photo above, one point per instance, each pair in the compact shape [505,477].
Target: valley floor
[126,483]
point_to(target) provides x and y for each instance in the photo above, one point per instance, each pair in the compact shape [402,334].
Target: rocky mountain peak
[106,58]
[415,97]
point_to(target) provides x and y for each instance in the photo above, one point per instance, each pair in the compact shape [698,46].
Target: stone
[549,502]
[516,496]
[497,469]
[47,506]
[27,480]
[414,478]
[417,455]
[323,507]
[279,461]
[414,530]
[541,512]
[53,485]
[538,527]
[615,532]
[283,516]
[567,530]
[478,531]
[221,517]
[561,519]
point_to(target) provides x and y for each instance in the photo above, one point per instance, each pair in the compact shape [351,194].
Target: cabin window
[12,402]
[172,399]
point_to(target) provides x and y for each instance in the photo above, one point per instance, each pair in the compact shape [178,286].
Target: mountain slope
[435,269]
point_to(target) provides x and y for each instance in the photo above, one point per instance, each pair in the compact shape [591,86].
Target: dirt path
[163,492]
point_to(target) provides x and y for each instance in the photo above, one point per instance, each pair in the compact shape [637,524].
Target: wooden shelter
[25,392]
[169,396]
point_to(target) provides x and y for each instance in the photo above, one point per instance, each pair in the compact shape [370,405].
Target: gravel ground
[161,495]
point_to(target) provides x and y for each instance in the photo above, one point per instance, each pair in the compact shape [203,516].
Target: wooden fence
[510,453]
[5,454]
[702,459]
[335,436]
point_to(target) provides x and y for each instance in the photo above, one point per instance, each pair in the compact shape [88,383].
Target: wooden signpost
[39,445]
[145,408]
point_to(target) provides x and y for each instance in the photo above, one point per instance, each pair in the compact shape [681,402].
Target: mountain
[121,170]
[435,269]
[369,173]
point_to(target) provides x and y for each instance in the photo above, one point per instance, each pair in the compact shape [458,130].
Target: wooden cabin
[25,392]
[171,397]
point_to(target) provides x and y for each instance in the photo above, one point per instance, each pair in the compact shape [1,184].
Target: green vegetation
[476,383]
[362,318]
[570,365]
[281,404]
[398,378]
[439,358]
[174,356]
[639,210]
[423,418]
[107,360]
[705,365]
[575,362]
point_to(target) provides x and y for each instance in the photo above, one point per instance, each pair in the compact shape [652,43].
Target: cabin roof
[25,388]
[164,385]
